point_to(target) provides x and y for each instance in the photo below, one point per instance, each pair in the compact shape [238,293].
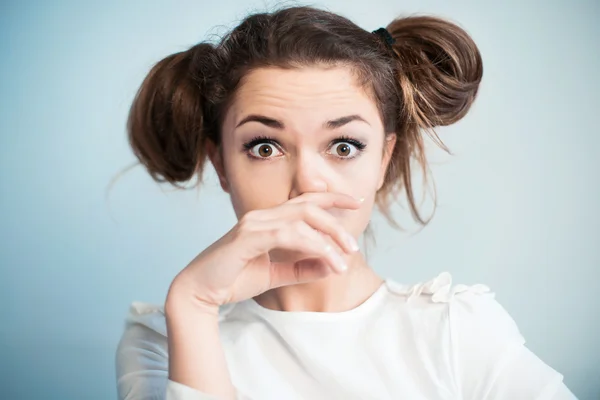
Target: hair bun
[440,68]
[165,125]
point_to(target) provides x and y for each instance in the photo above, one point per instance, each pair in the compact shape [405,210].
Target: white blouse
[426,341]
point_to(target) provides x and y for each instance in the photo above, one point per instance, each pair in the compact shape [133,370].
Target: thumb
[303,271]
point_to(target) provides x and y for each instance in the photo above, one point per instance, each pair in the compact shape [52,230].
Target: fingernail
[339,260]
[351,242]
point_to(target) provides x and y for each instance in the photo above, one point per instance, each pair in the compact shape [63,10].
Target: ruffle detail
[441,290]
[139,308]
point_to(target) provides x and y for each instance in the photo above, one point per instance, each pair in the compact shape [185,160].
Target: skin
[303,101]
[296,199]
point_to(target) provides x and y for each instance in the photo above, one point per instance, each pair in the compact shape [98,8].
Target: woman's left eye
[344,149]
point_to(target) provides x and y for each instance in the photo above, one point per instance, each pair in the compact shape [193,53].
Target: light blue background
[518,202]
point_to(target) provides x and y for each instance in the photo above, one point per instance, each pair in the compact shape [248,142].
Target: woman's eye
[264,150]
[344,150]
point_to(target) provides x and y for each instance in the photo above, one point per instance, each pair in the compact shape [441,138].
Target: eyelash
[360,146]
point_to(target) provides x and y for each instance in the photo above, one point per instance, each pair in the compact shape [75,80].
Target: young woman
[311,121]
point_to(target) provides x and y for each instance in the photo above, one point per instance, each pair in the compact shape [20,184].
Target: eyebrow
[336,123]
[276,124]
[270,122]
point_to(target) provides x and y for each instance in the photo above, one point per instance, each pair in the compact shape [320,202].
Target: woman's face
[294,131]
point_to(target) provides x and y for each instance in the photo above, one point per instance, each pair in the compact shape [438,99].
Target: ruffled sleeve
[142,359]
[489,356]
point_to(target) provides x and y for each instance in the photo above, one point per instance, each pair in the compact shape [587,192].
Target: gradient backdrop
[518,203]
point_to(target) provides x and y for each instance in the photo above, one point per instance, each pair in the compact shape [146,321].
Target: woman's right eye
[264,150]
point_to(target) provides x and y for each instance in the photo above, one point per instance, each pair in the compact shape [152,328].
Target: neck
[334,293]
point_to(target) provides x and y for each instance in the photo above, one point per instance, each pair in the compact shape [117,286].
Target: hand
[239,266]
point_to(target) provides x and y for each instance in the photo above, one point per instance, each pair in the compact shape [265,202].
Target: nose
[308,177]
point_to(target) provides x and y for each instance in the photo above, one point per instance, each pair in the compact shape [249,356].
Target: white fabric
[428,341]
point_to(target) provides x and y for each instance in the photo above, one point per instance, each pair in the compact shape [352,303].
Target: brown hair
[427,77]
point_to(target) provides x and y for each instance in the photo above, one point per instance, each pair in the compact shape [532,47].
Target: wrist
[182,301]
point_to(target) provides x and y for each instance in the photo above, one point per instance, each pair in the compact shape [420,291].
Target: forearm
[196,356]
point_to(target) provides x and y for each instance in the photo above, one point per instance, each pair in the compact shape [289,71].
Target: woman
[309,122]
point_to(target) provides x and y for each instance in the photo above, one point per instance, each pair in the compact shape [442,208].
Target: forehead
[302,95]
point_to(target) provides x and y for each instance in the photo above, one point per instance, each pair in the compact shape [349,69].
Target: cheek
[361,180]
[255,184]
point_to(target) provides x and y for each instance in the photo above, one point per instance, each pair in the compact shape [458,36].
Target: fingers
[313,242]
[318,220]
[328,200]
[303,225]
[327,224]
[300,237]
[310,208]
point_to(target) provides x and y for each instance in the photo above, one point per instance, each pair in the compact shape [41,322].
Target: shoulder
[146,316]
[145,334]
[469,314]
[463,304]
[437,290]
[142,357]
[465,323]
[143,343]
[149,319]
[142,354]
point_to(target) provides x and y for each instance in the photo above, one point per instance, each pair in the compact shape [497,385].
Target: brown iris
[265,150]
[343,150]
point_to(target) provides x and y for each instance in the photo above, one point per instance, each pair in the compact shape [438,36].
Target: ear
[388,149]
[216,159]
